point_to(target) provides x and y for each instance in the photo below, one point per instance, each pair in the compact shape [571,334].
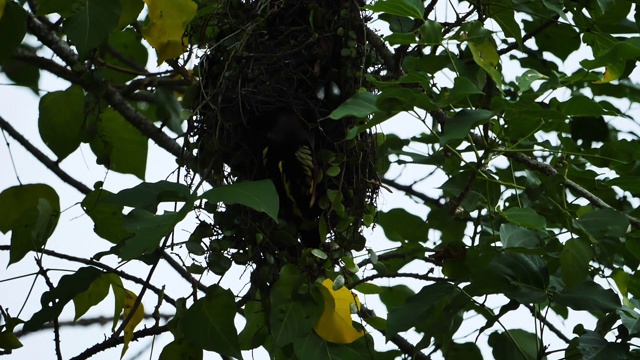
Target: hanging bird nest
[264,60]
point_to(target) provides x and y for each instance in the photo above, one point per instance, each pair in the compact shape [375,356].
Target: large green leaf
[209,323]
[147,196]
[107,217]
[125,51]
[293,312]
[593,346]
[604,223]
[589,296]
[255,331]
[90,25]
[400,225]
[359,105]
[312,347]
[574,259]
[408,8]
[96,292]
[630,319]
[516,345]
[459,126]
[417,307]
[119,146]
[525,217]
[31,213]
[513,236]
[13,27]
[61,120]
[180,350]
[54,301]
[259,195]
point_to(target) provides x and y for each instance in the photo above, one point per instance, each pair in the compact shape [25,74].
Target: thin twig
[182,271]
[397,275]
[409,190]
[56,324]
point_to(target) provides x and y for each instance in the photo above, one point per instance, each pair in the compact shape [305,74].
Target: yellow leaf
[2,5]
[611,72]
[168,21]
[138,315]
[335,324]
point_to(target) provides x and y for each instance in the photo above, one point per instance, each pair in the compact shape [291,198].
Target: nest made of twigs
[264,57]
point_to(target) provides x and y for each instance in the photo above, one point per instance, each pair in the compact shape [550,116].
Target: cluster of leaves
[546,231]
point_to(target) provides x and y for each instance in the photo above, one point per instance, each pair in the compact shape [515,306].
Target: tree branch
[423,277]
[113,342]
[56,324]
[50,164]
[104,267]
[412,192]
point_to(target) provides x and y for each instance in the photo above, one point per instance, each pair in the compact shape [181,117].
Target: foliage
[522,169]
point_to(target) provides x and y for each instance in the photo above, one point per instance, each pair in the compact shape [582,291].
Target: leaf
[359,105]
[630,319]
[431,33]
[525,217]
[54,301]
[593,346]
[108,220]
[418,307]
[581,105]
[409,8]
[588,296]
[61,120]
[527,78]
[400,225]
[574,259]
[467,351]
[23,73]
[168,22]
[180,350]
[513,236]
[96,292]
[517,344]
[312,347]
[255,330]
[148,196]
[119,146]
[130,11]
[460,124]
[259,195]
[91,24]
[334,324]
[136,318]
[119,296]
[604,223]
[169,111]
[293,313]
[131,55]
[31,213]
[621,50]
[485,54]
[13,27]
[65,8]
[209,323]
[502,12]
[462,88]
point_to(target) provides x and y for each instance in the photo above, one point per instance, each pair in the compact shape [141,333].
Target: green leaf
[31,213]
[96,292]
[22,73]
[431,33]
[130,11]
[312,347]
[621,50]
[589,129]
[107,217]
[148,196]
[409,8]
[13,27]
[119,146]
[574,259]
[91,24]
[209,323]
[517,344]
[180,350]
[359,105]
[63,7]
[525,217]
[521,277]
[513,236]
[589,296]
[149,230]
[582,106]
[462,88]
[259,195]
[54,301]
[255,331]
[169,110]
[293,313]
[119,296]
[630,319]
[467,351]
[593,346]
[527,78]
[460,124]
[502,12]
[61,120]
[400,225]
[417,307]
[604,223]
[131,55]
[393,296]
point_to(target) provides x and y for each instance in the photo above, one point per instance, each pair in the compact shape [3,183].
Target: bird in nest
[290,161]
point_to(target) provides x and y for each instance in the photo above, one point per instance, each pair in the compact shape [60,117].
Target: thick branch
[412,192]
[50,164]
